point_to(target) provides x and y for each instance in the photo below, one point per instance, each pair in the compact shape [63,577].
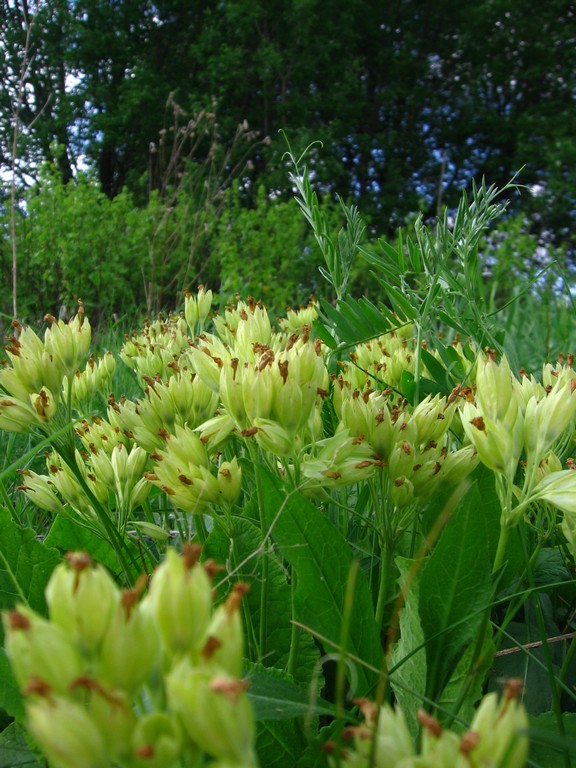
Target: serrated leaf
[10,697]
[321,560]
[408,670]
[68,536]
[460,681]
[548,745]
[14,749]
[25,565]
[279,743]
[275,696]
[236,549]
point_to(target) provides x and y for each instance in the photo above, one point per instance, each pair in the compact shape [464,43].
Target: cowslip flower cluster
[33,376]
[498,735]
[112,678]
[520,428]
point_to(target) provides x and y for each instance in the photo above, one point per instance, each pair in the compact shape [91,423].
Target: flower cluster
[525,424]
[33,376]
[498,735]
[114,678]
[210,398]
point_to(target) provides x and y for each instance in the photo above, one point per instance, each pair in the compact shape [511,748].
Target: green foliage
[380,563]
[265,251]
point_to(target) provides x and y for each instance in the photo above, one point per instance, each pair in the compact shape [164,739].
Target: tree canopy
[410,99]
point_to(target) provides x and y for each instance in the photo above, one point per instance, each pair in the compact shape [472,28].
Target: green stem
[115,539]
[383,585]
[253,450]
[295,632]
[201,530]
[501,549]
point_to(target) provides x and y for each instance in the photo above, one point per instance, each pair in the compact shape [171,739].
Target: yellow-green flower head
[388,729]
[558,488]
[224,647]
[499,446]
[229,480]
[95,379]
[32,367]
[272,437]
[197,308]
[130,649]
[156,741]
[44,404]
[180,602]
[232,391]
[41,491]
[433,417]
[39,649]
[16,415]
[257,381]
[501,727]
[152,352]
[548,418]
[66,733]
[130,485]
[496,391]
[69,488]
[296,320]
[138,421]
[214,711]
[244,325]
[82,599]
[112,712]
[184,472]
[68,343]
[526,388]
[99,434]
[207,359]
[341,460]
[214,432]
[555,374]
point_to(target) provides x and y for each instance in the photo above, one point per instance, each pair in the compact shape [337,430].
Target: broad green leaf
[14,749]
[321,560]
[275,696]
[548,746]
[437,370]
[324,334]
[69,536]
[25,565]
[455,587]
[279,743]
[461,693]
[239,550]
[408,670]
[10,697]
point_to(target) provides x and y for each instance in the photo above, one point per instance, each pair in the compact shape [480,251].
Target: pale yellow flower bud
[180,600]
[82,598]
[230,480]
[66,733]
[502,729]
[38,649]
[156,742]
[131,646]
[547,419]
[224,648]
[272,437]
[214,711]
